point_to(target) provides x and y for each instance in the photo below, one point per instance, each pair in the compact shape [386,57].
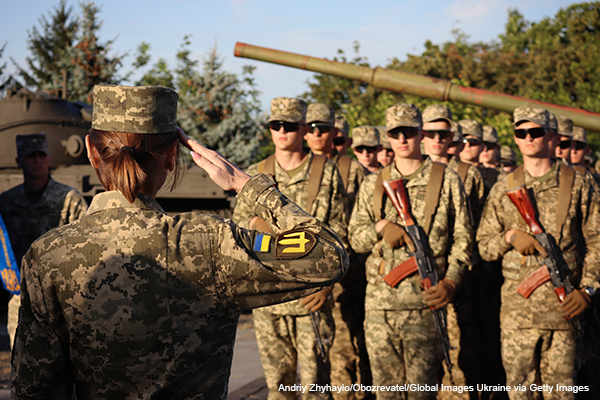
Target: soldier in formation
[385,156]
[37,205]
[128,302]
[365,144]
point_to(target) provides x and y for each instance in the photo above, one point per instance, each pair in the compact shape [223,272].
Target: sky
[384,29]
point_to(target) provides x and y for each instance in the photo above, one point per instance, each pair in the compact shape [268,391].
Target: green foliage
[218,108]
[555,60]
[67,46]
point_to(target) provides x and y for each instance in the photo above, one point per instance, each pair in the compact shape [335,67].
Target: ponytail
[128,159]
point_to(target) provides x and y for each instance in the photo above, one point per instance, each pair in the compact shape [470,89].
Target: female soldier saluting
[131,303]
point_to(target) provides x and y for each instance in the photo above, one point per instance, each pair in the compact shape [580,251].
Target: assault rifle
[552,269]
[316,318]
[420,260]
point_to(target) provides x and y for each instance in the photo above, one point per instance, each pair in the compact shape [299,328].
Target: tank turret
[414,84]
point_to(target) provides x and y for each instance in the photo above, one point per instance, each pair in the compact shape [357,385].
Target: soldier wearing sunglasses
[565,136]
[490,156]
[400,331]
[348,353]
[342,141]
[385,156]
[365,144]
[536,338]
[284,332]
[579,151]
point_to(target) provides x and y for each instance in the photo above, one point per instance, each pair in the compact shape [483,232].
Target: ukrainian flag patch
[262,243]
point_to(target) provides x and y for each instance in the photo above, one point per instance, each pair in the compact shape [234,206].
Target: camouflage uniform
[400,331]
[348,354]
[284,332]
[580,135]
[129,301]
[25,222]
[528,323]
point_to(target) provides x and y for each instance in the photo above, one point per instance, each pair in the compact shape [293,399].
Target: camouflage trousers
[348,354]
[403,349]
[13,317]
[456,377]
[528,354]
[286,341]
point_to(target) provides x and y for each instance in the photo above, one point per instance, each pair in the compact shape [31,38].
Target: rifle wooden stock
[397,194]
[521,200]
[533,281]
[403,270]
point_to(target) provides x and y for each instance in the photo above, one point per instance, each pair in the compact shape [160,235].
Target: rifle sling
[462,170]
[343,164]
[383,175]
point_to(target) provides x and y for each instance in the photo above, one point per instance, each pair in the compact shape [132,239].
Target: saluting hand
[220,170]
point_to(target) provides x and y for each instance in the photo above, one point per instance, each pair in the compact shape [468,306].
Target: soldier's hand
[440,295]
[575,303]
[526,244]
[259,224]
[220,170]
[313,302]
[396,236]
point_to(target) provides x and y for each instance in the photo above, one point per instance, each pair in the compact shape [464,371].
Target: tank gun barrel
[414,84]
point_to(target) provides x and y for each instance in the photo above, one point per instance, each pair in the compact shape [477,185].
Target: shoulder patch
[262,243]
[294,244]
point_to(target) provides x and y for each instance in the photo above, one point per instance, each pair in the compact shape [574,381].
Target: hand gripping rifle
[418,262]
[553,269]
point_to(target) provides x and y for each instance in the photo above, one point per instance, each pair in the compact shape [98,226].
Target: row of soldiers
[365,331]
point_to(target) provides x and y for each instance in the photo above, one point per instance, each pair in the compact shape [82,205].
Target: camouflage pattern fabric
[319,112]
[579,235]
[402,114]
[403,348]
[139,109]
[129,301]
[490,134]
[397,318]
[27,144]
[437,112]
[490,175]
[288,110]
[365,136]
[356,175]
[328,208]
[508,154]
[285,340]
[342,124]
[535,114]
[565,126]
[25,222]
[556,366]
[471,128]
[475,188]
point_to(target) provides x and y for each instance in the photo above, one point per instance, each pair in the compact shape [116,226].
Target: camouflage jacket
[450,237]
[475,187]
[129,302]
[581,228]
[25,222]
[328,207]
[356,175]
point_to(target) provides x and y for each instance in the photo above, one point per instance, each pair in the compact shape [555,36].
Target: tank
[414,84]
[66,124]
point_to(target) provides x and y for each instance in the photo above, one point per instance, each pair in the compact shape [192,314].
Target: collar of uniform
[551,182]
[45,199]
[418,178]
[283,178]
[114,199]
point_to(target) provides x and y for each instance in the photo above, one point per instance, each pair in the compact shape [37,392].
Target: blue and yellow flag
[9,270]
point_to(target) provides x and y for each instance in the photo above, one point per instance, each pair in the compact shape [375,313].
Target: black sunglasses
[443,133]
[580,145]
[565,144]
[508,163]
[490,146]
[454,144]
[287,126]
[407,132]
[533,132]
[369,149]
[338,141]
[323,128]
[472,142]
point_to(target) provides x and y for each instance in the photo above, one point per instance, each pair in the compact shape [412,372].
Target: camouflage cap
[579,134]
[342,124]
[565,126]
[365,136]
[28,144]
[384,140]
[490,134]
[456,131]
[437,112]
[320,112]
[471,128]
[135,109]
[405,115]
[288,110]
[535,114]
[508,154]
[552,122]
